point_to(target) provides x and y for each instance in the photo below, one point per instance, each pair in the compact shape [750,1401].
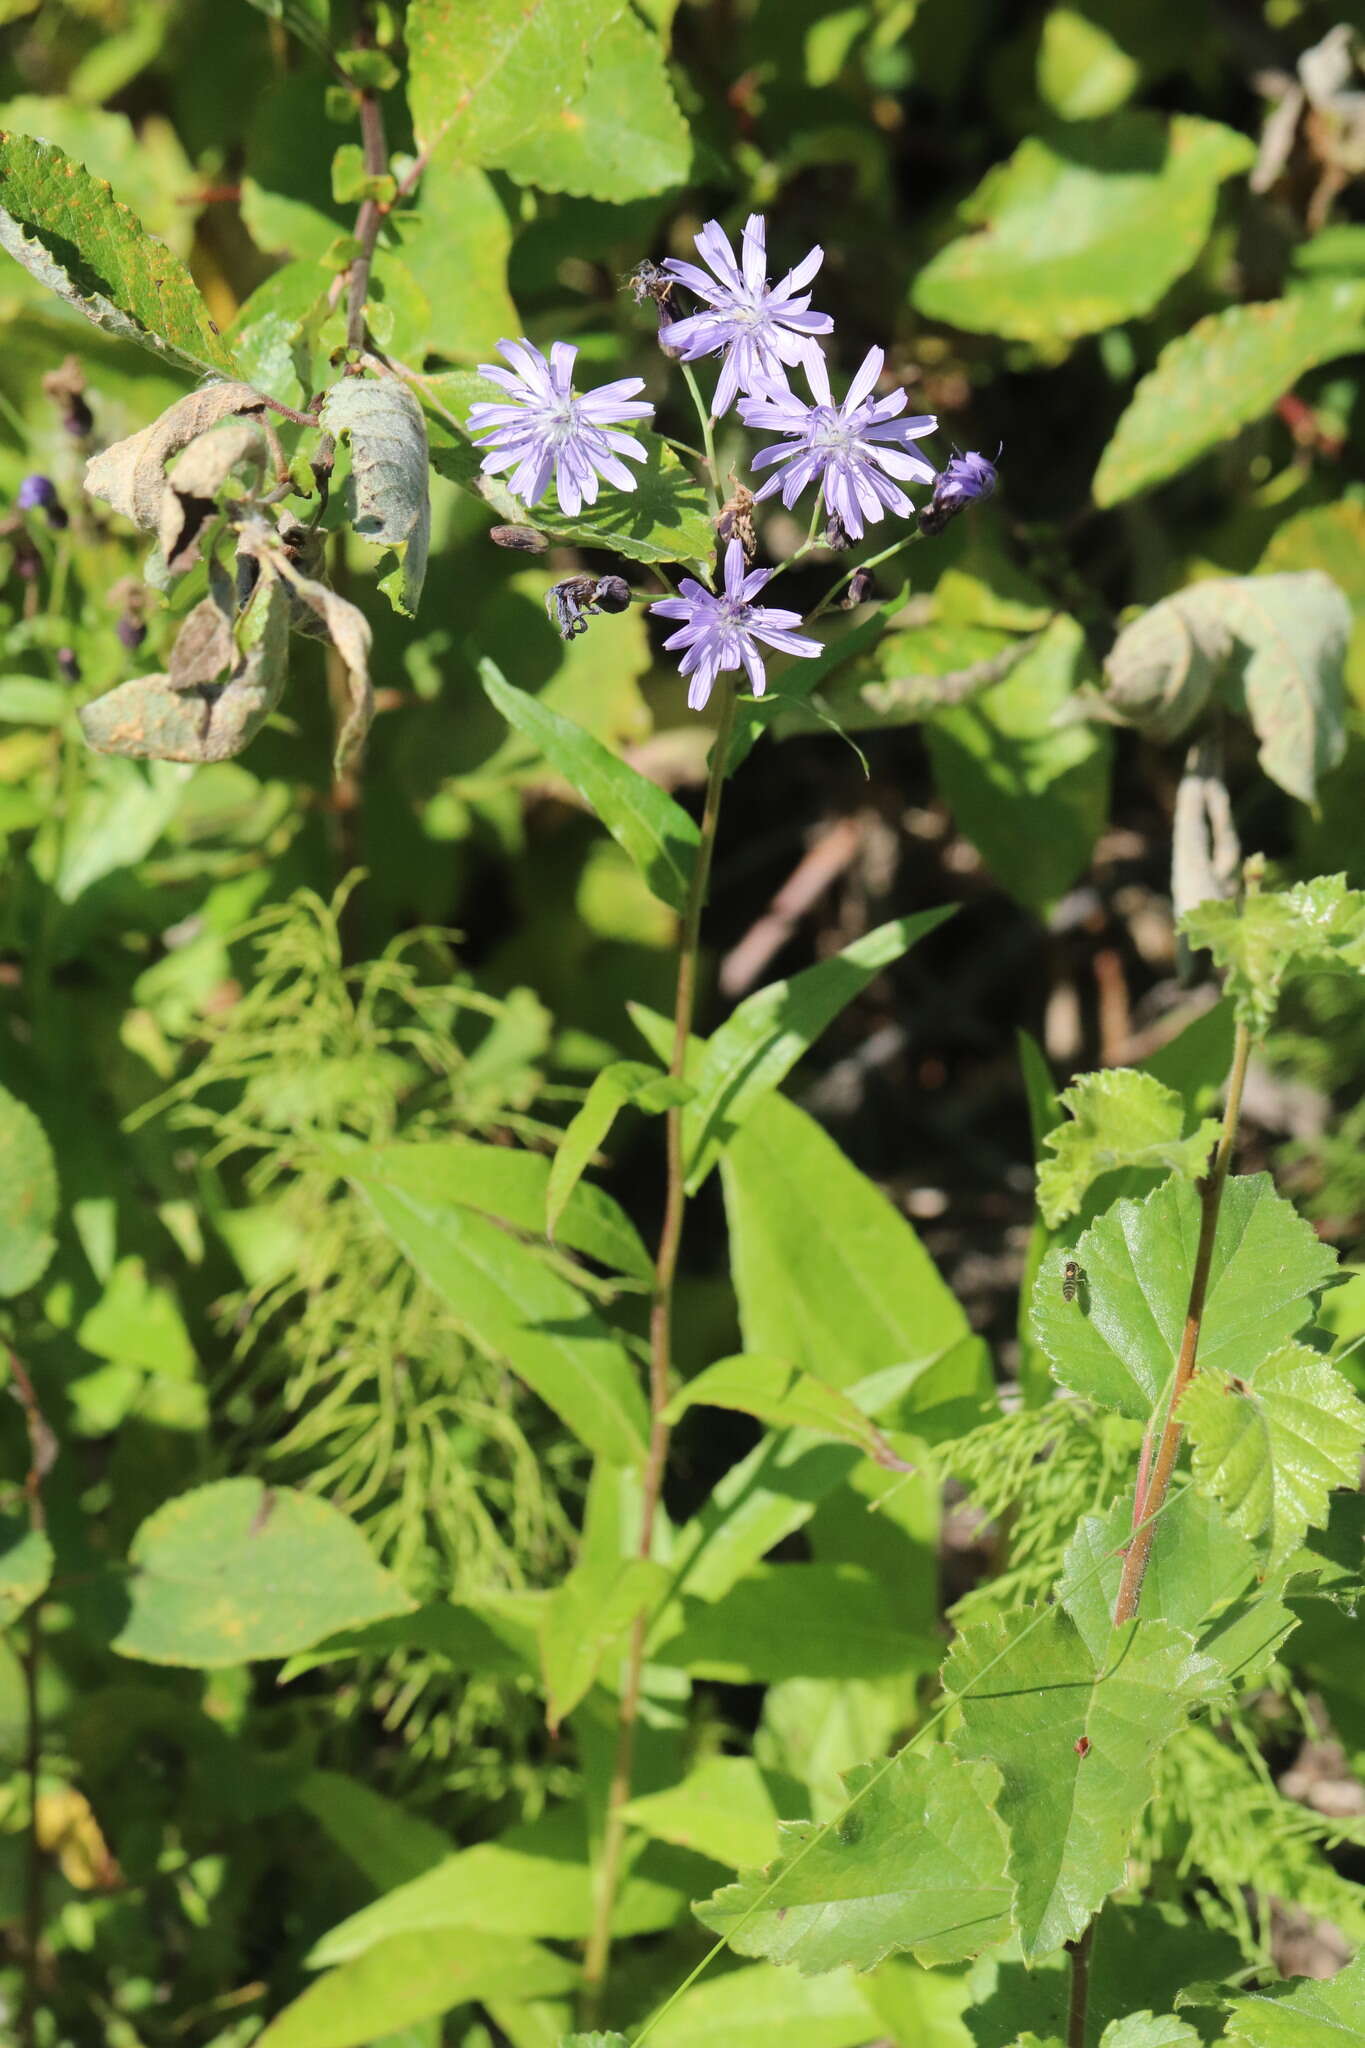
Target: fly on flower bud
[523,537]
[569,603]
[837,535]
[736,520]
[859,590]
[965,478]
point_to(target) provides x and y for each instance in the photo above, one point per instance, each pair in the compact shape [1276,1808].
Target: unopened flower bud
[837,535]
[131,632]
[68,664]
[859,590]
[524,538]
[40,493]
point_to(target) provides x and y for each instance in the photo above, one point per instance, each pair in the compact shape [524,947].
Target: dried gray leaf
[131,476]
[204,466]
[388,500]
[345,625]
[204,647]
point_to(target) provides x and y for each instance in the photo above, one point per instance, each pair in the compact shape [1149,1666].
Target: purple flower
[759,327]
[546,428]
[855,450]
[36,492]
[720,631]
[963,478]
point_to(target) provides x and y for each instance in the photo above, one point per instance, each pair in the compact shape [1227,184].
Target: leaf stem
[1079,1999]
[597,1956]
[369,218]
[906,540]
[708,432]
[1153,1494]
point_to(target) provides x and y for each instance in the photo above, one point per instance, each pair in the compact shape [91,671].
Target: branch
[369,218]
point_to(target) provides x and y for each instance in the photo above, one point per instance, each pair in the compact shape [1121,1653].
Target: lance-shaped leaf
[785,1398]
[1303,2014]
[760,1042]
[388,500]
[1226,372]
[727,1809]
[658,834]
[584,1617]
[623,1082]
[1313,928]
[916,1861]
[410,1978]
[28,1197]
[1118,1340]
[1119,1118]
[236,1571]
[1074,1735]
[69,231]
[1271,1444]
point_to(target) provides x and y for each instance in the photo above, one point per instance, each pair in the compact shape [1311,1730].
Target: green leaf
[915,1862]
[757,1046]
[500,1181]
[658,834]
[479,82]
[1083,72]
[1314,927]
[1030,793]
[723,1810]
[1085,231]
[622,137]
[387,498]
[1330,538]
[1226,372]
[795,1621]
[785,1398]
[585,1616]
[456,246]
[594,2041]
[1074,1736]
[1304,2013]
[1119,1118]
[389,1844]
[68,229]
[1271,1444]
[26,1563]
[623,1082]
[832,1278]
[756,2007]
[28,1197]
[515,1306]
[237,1571]
[409,1977]
[1149,2030]
[1117,1342]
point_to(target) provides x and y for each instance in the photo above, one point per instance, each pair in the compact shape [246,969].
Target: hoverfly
[647,281]
[1073,1279]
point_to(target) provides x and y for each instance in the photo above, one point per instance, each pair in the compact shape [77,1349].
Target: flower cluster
[857,454]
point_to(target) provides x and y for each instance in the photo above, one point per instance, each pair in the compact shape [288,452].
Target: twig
[1079,1999]
[598,1953]
[368,220]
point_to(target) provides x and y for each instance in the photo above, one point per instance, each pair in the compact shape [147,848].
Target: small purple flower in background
[547,430]
[39,493]
[759,327]
[855,450]
[964,478]
[720,630]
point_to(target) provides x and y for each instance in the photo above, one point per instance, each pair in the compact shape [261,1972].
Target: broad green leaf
[757,1046]
[915,1862]
[592,1610]
[1119,1118]
[1227,371]
[456,246]
[1083,72]
[1330,538]
[623,1082]
[1304,2013]
[25,1566]
[274,336]
[493,1637]
[1314,927]
[833,1279]
[384,1840]
[758,2007]
[409,1977]
[1084,232]
[236,1571]
[795,1621]
[724,1809]
[1117,1342]
[479,81]
[1270,1444]
[1030,793]
[515,1306]
[1074,1736]
[760,1501]
[28,1197]
[622,137]
[387,499]
[533,1880]
[137,1321]
[501,1181]
[1149,2030]
[67,228]
[658,834]
[785,1398]
[146,164]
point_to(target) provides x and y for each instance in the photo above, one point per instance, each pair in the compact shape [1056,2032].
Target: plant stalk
[1147,1508]
[597,1957]
[1079,1998]
[708,432]
[369,218]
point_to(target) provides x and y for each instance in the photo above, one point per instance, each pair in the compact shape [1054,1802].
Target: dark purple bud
[36,492]
[859,590]
[68,664]
[131,632]
[965,478]
[837,535]
[524,538]
[77,419]
[612,594]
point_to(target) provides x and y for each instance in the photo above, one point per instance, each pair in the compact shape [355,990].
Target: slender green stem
[607,1877]
[708,432]
[1153,1493]
[683,447]
[906,540]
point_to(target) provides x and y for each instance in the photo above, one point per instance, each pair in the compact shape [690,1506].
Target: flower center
[828,431]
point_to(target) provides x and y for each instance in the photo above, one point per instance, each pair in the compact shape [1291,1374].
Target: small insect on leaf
[1082,1746]
[1073,1279]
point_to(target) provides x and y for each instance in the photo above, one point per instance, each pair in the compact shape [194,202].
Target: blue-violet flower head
[963,478]
[857,450]
[547,429]
[760,329]
[721,629]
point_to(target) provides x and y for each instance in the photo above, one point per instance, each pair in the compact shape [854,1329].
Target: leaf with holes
[69,231]
[1118,1343]
[1119,1118]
